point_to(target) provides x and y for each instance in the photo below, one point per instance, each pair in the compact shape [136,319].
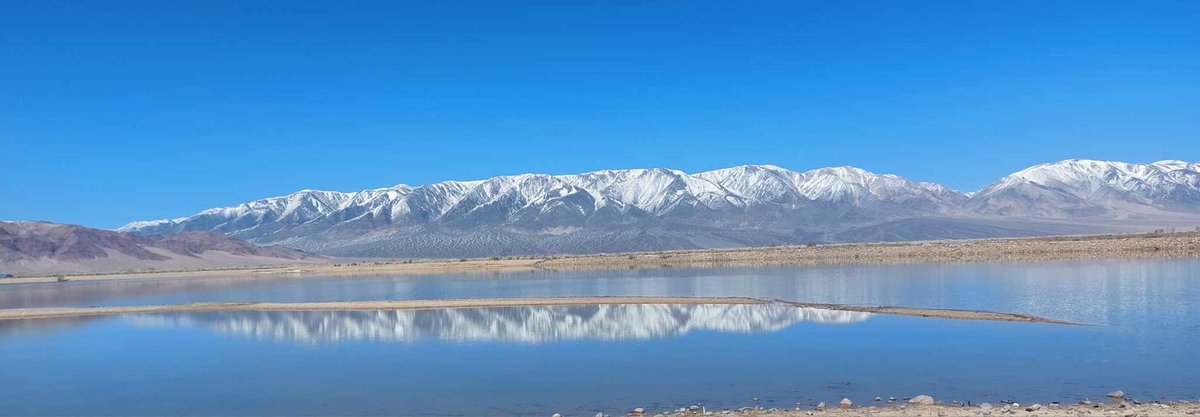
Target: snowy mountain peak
[532,201]
[148,224]
[660,208]
[1084,173]
[1077,186]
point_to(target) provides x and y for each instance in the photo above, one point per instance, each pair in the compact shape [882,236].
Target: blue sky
[120,111]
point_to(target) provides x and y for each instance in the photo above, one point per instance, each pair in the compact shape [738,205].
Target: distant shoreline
[393,305]
[899,408]
[1123,246]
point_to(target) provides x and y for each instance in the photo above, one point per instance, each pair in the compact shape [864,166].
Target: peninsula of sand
[398,305]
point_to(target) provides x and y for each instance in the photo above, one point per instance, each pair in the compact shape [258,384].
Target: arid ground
[1132,246]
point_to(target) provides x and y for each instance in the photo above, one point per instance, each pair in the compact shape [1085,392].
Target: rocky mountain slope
[41,248]
[657,209]
[1083,188]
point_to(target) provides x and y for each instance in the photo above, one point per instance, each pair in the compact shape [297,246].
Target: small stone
[877,399]
[1086,402]
[821,405]
[846,403]
[599,414]
[986,406]
[1117,395]
[1033,408]
[556,415]
[921,400]
[639,410]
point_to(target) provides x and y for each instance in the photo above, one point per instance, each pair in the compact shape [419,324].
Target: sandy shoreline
[50,312]
[882,409]
[940,313]
[56,312]
[1134,246]
[1140,246]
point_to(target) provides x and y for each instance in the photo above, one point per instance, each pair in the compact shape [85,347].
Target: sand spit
[57,312]
[934,313]
[1129,409]
[29,313]
[1133,246]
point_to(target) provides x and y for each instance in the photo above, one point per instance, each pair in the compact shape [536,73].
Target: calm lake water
[580,360]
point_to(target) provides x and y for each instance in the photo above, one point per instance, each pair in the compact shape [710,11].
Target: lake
[1144,331]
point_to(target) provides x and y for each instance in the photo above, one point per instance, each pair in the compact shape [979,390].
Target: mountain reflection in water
[508,325]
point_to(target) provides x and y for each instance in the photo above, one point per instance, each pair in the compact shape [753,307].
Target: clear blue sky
[120,111]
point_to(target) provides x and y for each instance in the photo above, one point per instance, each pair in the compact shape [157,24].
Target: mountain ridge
[659,208]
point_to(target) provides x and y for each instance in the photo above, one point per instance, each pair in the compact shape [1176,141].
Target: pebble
[821,405]
[846,403]
[1033,408]
[639,410]
[556,415]
[877,399]
[599,414]
[921,400]
[1117,395]
[985,406]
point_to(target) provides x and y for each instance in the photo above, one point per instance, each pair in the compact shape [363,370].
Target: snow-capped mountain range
[657,209]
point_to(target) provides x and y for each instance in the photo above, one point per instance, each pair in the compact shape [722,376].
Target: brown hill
[48,248]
